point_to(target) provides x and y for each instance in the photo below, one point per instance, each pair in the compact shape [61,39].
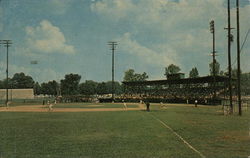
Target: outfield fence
[245,104]
[34,101]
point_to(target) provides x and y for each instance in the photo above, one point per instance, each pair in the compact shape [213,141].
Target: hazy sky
[70,36]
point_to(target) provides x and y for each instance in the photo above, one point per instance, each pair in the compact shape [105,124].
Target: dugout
[206,89]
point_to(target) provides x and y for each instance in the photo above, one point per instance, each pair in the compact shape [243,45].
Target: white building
[17,94]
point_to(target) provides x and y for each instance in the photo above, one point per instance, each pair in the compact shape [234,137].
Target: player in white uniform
[125,105]
[50,107]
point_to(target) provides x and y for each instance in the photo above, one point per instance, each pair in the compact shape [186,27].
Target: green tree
[53,87]
[106,88]
[216,68]
[70,84]
[44,88]
[2,84]
[101,88]
[234,73]
[194,73]
[130,75]
[245,83]
[89,87]
[20,80]
[172,69]
[117,87]
[37,89]
[222,73]
[140,77]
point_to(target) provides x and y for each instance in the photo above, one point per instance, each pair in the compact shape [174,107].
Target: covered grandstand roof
[204,79]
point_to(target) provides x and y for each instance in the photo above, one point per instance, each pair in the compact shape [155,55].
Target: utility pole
[7,44]
[1,41]
[230,39]
[212,30]
[238,56]
[113,47]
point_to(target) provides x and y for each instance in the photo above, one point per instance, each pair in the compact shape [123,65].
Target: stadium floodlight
[212,26]
[212,30]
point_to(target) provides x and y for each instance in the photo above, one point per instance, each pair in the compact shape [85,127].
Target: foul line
[189,145]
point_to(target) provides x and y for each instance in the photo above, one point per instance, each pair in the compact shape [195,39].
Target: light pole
[113,47]
[212,30]
[7,44]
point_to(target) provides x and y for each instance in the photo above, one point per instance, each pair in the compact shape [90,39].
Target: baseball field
[109,130]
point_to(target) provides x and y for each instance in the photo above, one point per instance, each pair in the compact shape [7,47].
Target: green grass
[93,105]
[211,132]
[21,102]
[124,134]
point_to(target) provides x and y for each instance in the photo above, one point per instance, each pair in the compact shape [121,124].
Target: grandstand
[206,89]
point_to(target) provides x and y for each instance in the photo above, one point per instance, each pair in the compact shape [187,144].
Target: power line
[238,56]
[242,46]
[230,39]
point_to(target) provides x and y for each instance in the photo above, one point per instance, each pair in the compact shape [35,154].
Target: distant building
[17,94]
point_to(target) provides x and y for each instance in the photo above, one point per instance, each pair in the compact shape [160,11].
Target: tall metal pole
[214,54]
[212,29]
[214,61]
[230,39]
[7,44]
[113,71]
[113,44]
[238,56]
[7,75]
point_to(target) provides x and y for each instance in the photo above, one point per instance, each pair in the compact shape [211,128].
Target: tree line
[71,85]
[193,73]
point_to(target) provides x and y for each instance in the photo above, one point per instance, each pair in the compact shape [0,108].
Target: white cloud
[183,27]
[48,39]
[146,54]
[60,6]
[160,14]
[45,75]
[38,74]
[115,9]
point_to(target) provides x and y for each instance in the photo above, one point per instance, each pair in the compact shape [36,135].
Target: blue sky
[70,36]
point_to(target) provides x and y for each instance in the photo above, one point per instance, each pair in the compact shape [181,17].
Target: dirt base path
[42,108]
